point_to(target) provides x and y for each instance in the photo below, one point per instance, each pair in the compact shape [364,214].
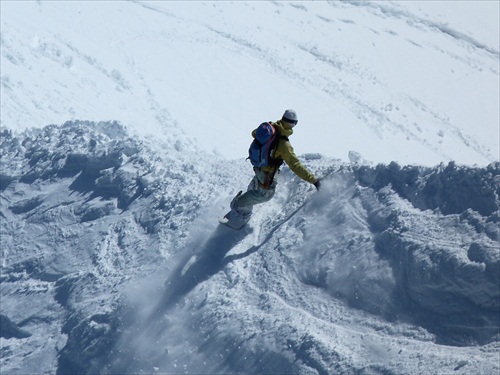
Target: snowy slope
[112,258]
[70,233]
[415,82]
[114,263]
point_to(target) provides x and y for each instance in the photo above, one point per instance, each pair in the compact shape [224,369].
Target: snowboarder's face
[289,125]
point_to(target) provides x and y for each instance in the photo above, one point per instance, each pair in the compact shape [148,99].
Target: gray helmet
[290,116]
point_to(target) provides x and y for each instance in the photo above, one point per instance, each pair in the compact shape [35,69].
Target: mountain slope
[70,222]
[112,257]
[111,246]
[410,82]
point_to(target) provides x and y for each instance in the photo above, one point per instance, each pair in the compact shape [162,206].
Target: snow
[211,71]
[113,175]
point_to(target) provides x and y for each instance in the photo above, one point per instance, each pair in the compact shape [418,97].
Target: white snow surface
[124,132]
[113,262]
[416,81]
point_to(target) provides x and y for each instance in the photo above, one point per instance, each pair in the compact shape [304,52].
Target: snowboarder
[262,187]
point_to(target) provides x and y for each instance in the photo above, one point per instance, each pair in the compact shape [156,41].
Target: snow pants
[255,193]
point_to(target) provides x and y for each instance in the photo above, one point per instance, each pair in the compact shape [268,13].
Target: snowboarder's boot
[245,213]
[237,217]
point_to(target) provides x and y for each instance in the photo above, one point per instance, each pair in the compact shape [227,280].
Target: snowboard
[234,220]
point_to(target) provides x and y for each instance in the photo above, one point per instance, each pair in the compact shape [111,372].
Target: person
[263,185]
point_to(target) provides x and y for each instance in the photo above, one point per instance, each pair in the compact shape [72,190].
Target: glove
[317,184]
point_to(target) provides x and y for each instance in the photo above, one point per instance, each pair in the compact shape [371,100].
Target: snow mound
[439,230]
[80,203]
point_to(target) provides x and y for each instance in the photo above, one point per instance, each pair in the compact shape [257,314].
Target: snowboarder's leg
[238,216]
[236,206]
[255,194]
[242,204]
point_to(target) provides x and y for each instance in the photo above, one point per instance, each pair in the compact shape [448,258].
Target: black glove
[317,184]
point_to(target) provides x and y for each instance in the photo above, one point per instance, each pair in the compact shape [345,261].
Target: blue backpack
[262,148]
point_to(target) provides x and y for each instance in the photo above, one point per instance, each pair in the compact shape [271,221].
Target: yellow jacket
[284,150]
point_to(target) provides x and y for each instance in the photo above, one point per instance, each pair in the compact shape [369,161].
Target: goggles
[290,123]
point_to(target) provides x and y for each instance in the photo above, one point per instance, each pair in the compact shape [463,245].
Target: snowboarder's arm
[288,155]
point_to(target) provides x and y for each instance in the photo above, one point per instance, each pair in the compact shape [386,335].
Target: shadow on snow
[202,264]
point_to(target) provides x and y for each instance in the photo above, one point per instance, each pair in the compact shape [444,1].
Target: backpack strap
[276,162]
